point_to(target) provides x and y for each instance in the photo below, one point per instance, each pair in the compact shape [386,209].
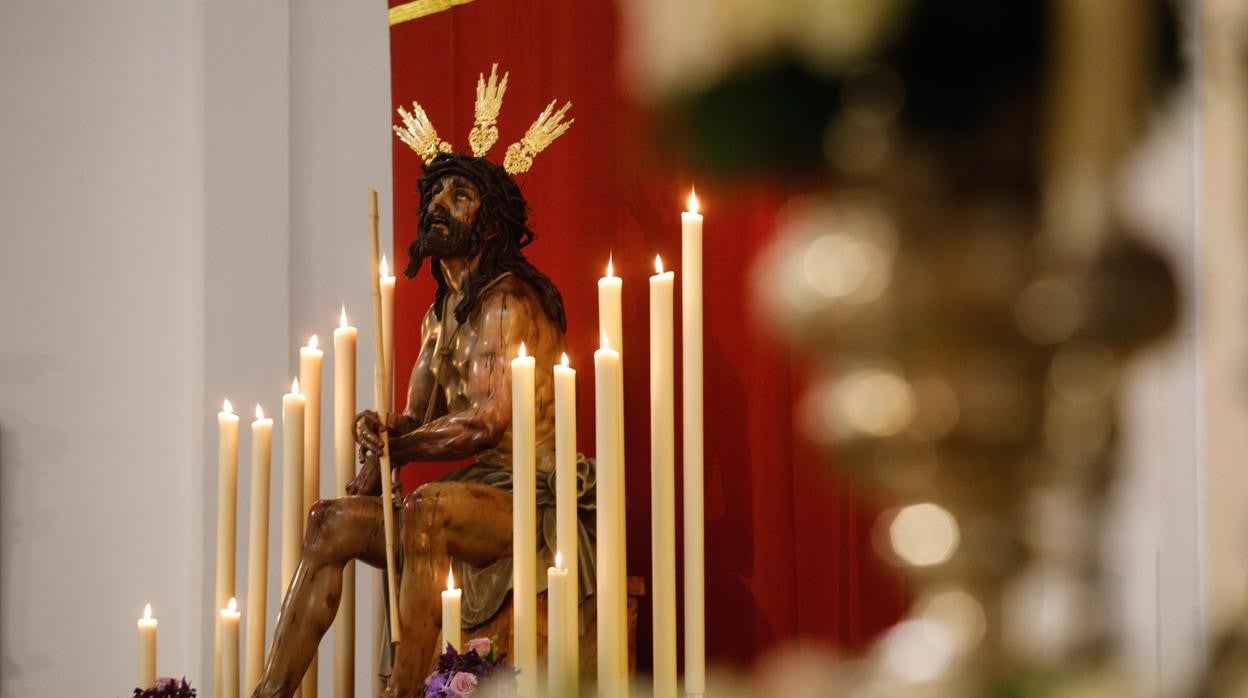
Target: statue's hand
[368,433]
[368,480]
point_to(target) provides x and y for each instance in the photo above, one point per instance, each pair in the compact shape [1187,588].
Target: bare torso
[459,394]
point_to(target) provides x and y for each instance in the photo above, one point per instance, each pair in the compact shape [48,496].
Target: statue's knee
[425,498]
[319,517]
[424,512]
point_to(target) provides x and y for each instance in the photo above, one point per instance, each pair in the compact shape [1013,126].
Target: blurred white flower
[670,46]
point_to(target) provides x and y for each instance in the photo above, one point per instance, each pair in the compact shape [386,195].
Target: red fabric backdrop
[788,551]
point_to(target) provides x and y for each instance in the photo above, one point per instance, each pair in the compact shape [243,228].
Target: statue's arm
[505,320]
[419,391]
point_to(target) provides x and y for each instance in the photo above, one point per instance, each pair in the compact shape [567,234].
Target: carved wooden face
[453,196]
[449,221]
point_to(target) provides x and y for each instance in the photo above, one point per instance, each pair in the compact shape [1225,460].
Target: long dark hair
[504,212]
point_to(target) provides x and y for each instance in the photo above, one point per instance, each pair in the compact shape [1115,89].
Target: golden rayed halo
[418,132]
[419,135]
[489,101]
[542,133]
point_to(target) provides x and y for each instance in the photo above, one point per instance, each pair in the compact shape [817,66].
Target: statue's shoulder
[508,286]
[509,291]
[431,317]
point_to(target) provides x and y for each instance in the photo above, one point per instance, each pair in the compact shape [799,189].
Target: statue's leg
[338,530]
[469,521]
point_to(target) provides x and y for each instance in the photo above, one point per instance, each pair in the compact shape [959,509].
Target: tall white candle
[387,324]
[344,470]
[612,628]
[451,599]
[311,361]
[567,531]
[228,624]
[292,482]
[663,480]
[294,406]
[147,648]
[559,677]
[611,327]
[258,549]
[694,510]
[524,519]
[610,309]
[227,514]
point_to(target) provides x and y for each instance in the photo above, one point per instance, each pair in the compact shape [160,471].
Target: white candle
[292,482]
[610,312]
[611,328]
[451,599]
[344,470]
[311,360]
[258,548]
[383,394]
[559,677]
[691,384]
[227,514]
[524,519]
[612,630]
[228,624]
[663,480]
[387,325]
[567,530]
[147,648]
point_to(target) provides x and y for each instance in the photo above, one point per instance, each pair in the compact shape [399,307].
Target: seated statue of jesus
[489,300]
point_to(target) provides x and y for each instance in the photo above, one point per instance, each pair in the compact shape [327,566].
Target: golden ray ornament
[419,135]
[418,132]
[489,100]
[541,134]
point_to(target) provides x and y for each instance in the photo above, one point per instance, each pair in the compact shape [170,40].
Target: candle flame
[312,342]
[232,606]
[658,264]
[558,560]
[450,578]
[605,343]
[564,361]
[259,412]
[147,612]
[693,201]
[385,267]
[523,352]
[227,407]
[610,266]
[342,319]
[294,386]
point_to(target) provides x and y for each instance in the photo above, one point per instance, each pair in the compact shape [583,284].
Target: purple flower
[462,684]
[437,686]
[167,687]
[480,645]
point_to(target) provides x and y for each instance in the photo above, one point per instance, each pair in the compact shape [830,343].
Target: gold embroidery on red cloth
[421,8]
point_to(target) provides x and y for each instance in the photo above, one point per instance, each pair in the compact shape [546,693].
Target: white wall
[101,300]
[144,275]
[340,136]
[246,258]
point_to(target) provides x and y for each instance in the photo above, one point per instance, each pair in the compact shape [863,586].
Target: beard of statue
[460,239]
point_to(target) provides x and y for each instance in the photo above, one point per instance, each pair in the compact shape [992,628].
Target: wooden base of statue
[499,628]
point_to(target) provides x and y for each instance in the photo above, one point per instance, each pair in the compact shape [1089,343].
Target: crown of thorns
[418,132]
